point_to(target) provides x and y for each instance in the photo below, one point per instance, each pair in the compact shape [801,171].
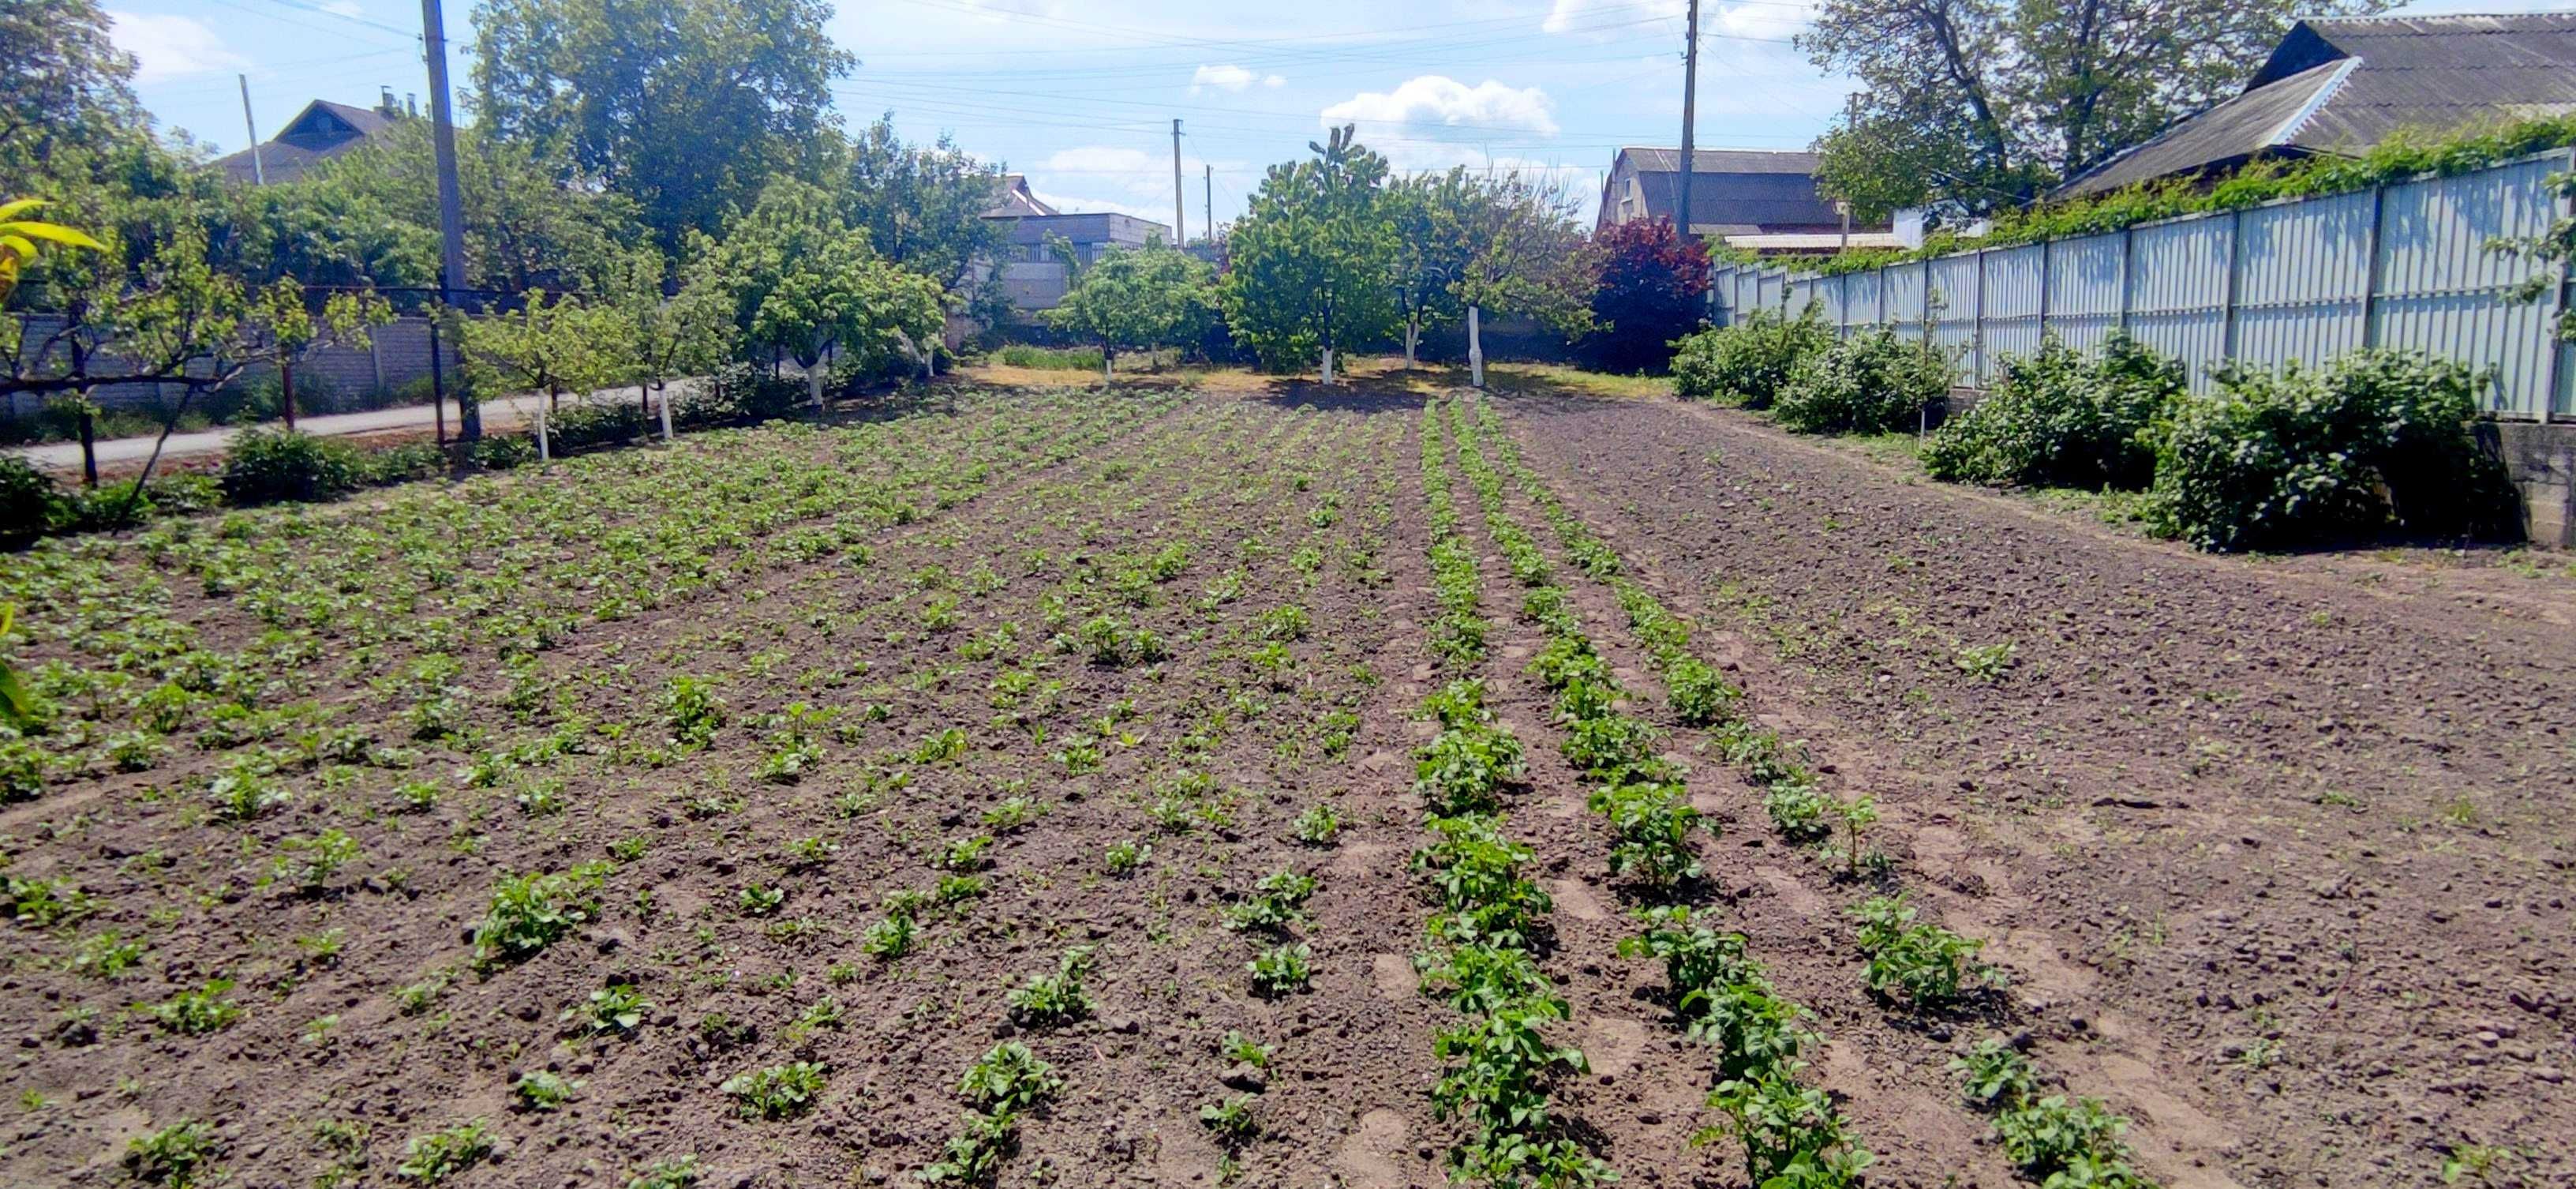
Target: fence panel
[2442,291]
[2085,282]
[1950,293]
[1903,285]
[1866,299]
[2178,290]
[2010,300]
[2303,280]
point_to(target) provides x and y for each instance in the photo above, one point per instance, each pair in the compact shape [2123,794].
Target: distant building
[1031,274]
[321,131]
[1761,199]
[2340,86]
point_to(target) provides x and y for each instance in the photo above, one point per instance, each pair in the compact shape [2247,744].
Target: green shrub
[2374,439]
[1748,363]
[2062,418]
[405,463]
[28,499]
[1872,382]
[267,466]
[1050,358]
[588,424]
[737,393]
[501,454]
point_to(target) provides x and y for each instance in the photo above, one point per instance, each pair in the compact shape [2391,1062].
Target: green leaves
[533,911]
[1312,260]
[1924,964]
[1140,299]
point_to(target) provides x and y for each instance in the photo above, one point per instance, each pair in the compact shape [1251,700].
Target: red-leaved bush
[1653,289]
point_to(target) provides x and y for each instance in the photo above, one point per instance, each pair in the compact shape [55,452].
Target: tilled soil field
[1319,788]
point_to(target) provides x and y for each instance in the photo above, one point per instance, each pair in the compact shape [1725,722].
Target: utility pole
[258,170]
[1180,234]
[1210,209]
[451,201]
[1690,100]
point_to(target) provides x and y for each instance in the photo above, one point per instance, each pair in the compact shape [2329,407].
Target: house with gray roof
[2342,85]
[321,131]
[1764,199]
[1030,272]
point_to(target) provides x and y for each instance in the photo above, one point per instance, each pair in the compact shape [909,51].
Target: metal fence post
[1977,337]
[2043,288]
[2235,264]
[1881,270]
[2559,346]
[2128,252]
[2373,271]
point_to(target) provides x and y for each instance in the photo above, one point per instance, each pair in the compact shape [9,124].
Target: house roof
[2341,86]
[321,131]
[1733,191]
[1653,160]
[1017,200]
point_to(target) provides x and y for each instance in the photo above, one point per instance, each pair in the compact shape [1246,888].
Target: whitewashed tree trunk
[1412,338]
[545,446]
[1475,347]
[662,389]
[1108,365]
[1328,365]
[814,384]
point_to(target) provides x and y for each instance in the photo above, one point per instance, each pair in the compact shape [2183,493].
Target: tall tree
[686,106]
[923,208]
[533,220]
[1432,214]
[63,83]
[1140,298]
[1310,265]
[803,282]
[1972,105]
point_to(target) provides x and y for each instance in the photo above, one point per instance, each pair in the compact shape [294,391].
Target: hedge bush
[588,424]
[2374,440]
[267,466]
[1871,382]
[1747,363]
[27,500]
[2062,418]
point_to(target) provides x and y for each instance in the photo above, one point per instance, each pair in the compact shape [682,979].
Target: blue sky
[1080,94]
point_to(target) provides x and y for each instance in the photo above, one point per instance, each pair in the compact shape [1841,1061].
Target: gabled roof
[1733,191]
[1017,201]
[1653,160]
[2341,86]
[321,131]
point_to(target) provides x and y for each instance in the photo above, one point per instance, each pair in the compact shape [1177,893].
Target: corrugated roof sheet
[1654,160]
[2341,86]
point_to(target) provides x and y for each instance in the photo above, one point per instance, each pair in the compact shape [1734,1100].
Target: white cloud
[1438,99]
[345,8]
[1584,16]
[1768,20]
[1231,78]
[167,47]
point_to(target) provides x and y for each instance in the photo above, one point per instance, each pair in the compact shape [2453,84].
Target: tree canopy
[688,107]
[1972,105]
[1140,299]
[1311,265]
[803,282]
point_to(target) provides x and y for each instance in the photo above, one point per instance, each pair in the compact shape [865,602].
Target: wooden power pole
[1180,234]
[1690,99]
[451,200]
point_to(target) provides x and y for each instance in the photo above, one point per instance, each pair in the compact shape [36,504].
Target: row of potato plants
[1228,663]
[1792,1134]
[1498,1066]
[528,910]
[2060,1142]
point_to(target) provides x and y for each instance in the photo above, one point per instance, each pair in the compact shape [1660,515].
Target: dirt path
[2275,852]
